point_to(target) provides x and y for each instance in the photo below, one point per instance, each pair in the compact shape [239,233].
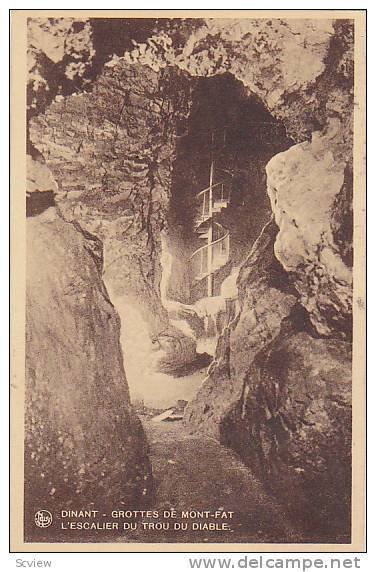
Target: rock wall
[279,389]
[111,153]
[84,447]
[265,301]
[280,395]
[301,69]
[292,425]
[304,186]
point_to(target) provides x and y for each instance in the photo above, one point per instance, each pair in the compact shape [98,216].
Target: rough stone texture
[342,218]
[66,54]
[39,178]
[281,397]
[293,427]
[303,72]
[59,56]
[304,184]
[263,306]
[41,188]
[84,447]
[301,69]
[111,153]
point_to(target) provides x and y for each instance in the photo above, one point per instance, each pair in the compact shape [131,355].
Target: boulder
[304,186]
[293,427]
[173,352]
[84,446]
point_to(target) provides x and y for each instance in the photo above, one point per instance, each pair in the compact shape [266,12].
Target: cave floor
[195,472]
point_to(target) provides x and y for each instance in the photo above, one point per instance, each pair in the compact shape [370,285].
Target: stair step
[201,220]
[215,267]
[218,266]
[201,276]
[219,263]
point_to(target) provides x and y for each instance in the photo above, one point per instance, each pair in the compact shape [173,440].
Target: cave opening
[219,202]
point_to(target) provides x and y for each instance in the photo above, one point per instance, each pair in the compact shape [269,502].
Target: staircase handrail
[212,243]
[208,188]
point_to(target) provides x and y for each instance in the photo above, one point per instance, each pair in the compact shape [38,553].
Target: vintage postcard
[188,280]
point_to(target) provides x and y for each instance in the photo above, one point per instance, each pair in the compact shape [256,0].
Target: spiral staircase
[215,253]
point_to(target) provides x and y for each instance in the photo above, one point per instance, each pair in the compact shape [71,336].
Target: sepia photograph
[188,364]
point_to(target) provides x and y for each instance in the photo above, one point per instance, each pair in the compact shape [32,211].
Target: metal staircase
[213,255]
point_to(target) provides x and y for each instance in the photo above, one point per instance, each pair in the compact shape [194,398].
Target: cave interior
[234,131]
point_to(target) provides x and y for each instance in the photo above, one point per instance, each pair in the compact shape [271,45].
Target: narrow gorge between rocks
[189,278]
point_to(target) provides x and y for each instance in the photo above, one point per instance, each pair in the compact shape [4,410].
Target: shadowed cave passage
[228,139]
[241,136]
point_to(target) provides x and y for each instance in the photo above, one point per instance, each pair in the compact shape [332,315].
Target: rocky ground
[195,472]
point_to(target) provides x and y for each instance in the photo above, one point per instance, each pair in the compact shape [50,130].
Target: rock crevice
[84,445]
[279,388]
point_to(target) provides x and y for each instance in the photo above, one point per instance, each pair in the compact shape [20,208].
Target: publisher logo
[43,518]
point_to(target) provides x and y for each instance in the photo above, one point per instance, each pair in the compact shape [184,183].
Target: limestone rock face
[39,177]
[281,397]
[301,69]
[60,53]
[293,426]
[278,390]
[111,152]
[263,307]
[84,446]
[304,185]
